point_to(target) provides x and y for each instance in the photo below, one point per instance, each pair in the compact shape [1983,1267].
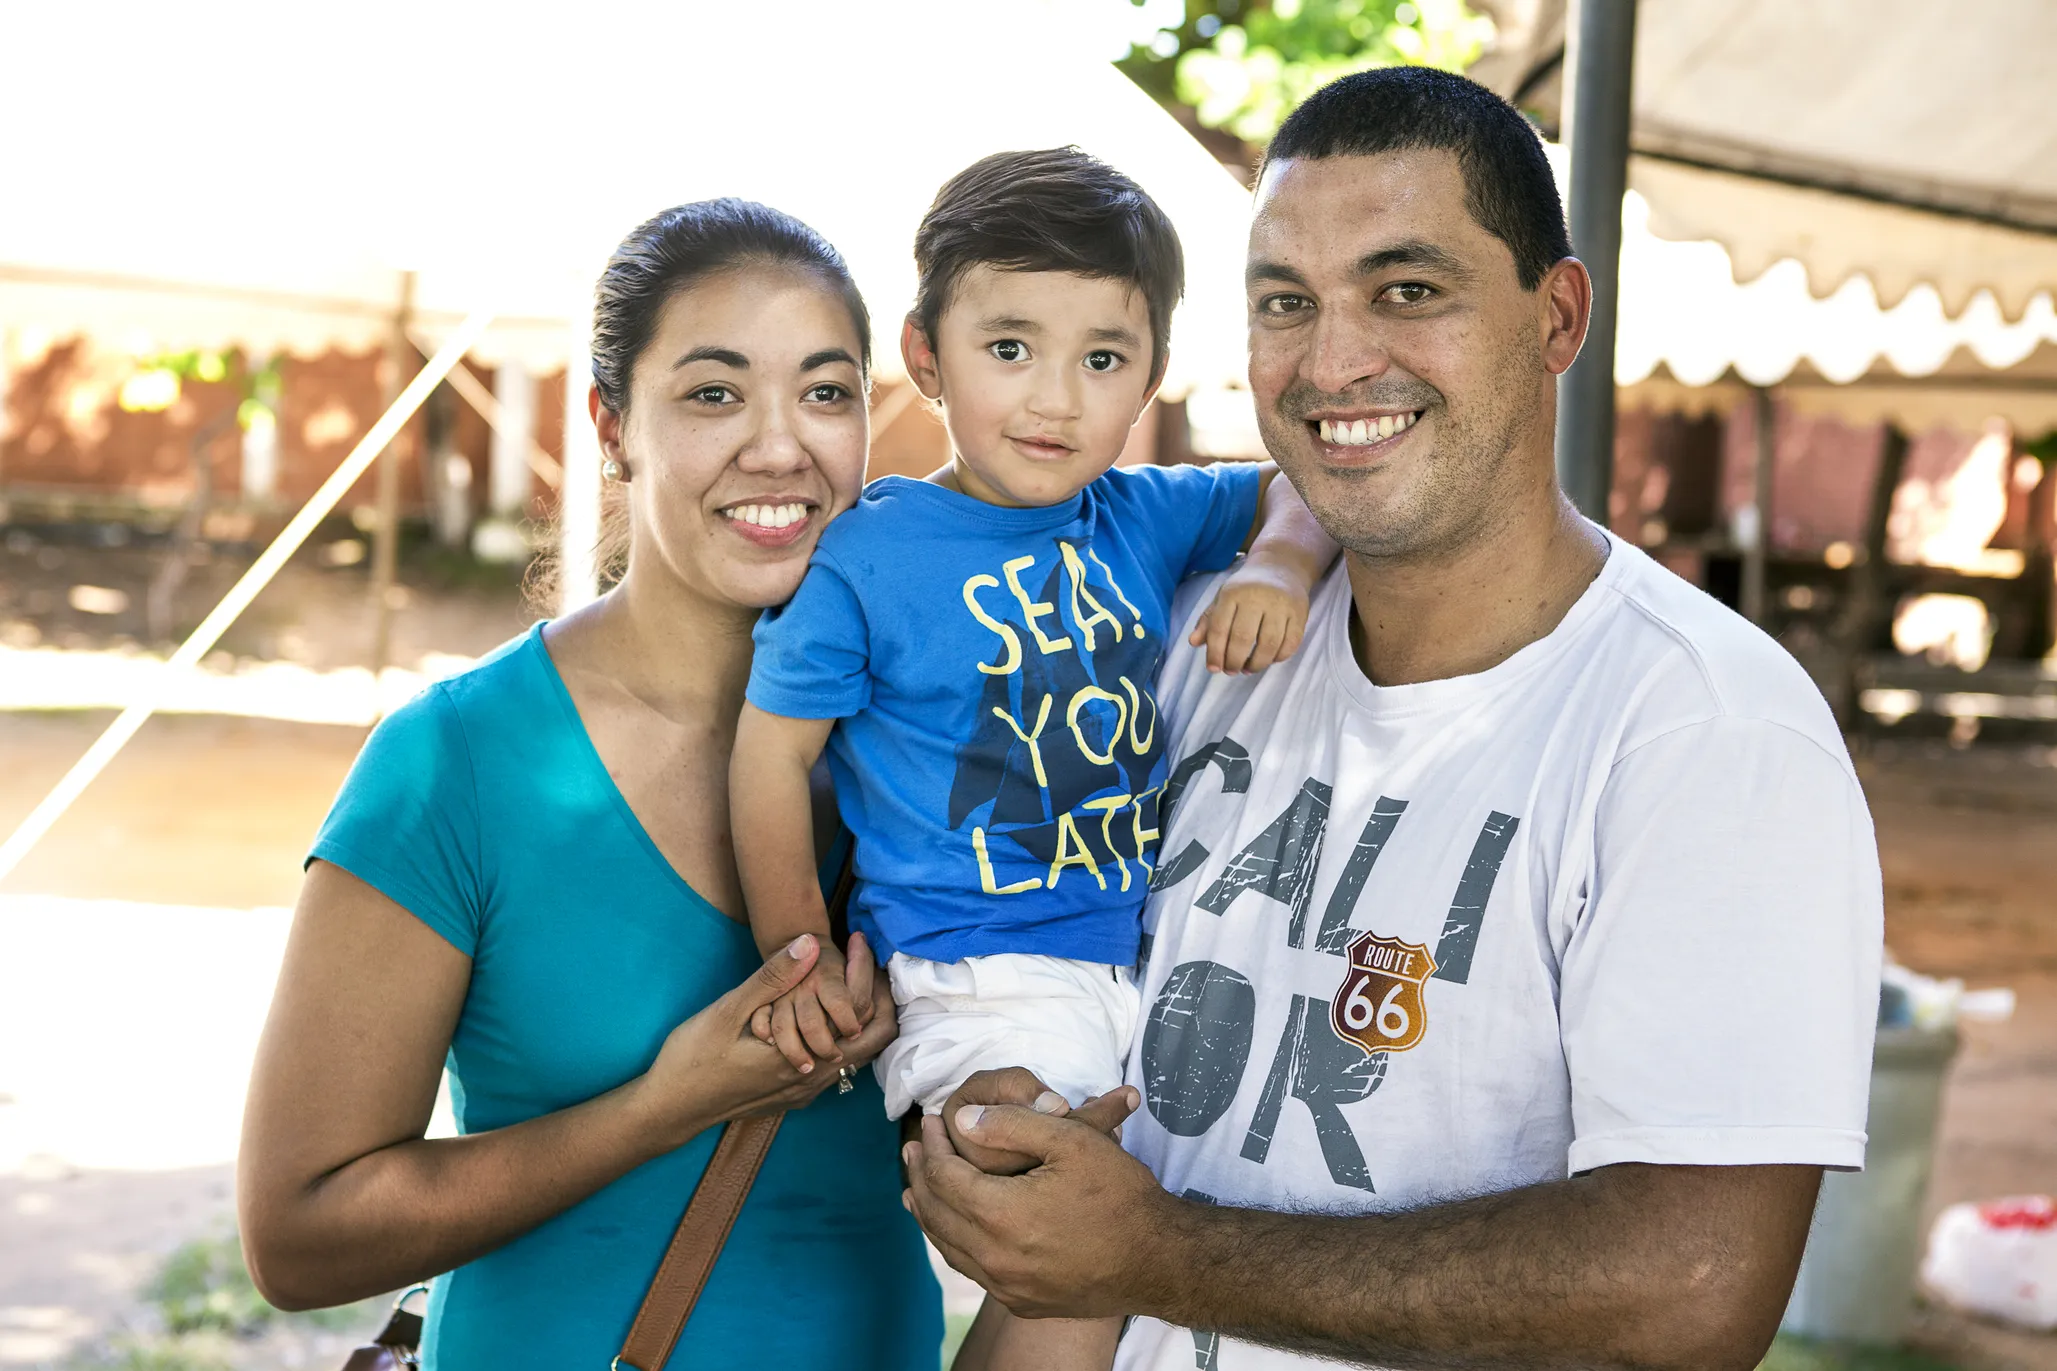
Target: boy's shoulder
[1149,490]
[886,508]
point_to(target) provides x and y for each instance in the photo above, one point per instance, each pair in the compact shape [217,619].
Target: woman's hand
[713,1068]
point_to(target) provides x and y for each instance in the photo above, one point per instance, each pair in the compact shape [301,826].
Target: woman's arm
[339,1194]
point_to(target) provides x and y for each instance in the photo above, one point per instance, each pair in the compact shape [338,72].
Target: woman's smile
[771,521]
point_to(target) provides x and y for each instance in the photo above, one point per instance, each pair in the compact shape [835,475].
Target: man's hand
[1019,1086]
[1071,1238]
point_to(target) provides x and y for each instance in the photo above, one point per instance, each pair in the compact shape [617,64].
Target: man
[1514,948]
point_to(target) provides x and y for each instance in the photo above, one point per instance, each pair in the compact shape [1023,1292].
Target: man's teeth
[767,516]
[1358,432]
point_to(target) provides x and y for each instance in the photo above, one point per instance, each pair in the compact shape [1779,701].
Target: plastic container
[1998,1259]
[1857,1280]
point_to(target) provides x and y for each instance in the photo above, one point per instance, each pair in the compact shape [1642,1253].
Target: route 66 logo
[1380,1006]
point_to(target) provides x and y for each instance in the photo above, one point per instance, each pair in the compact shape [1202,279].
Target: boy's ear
[1156,384]
[919,355]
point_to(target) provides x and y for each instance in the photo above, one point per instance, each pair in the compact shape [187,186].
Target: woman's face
[746,433]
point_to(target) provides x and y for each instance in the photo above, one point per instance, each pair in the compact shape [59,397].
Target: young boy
[976,651]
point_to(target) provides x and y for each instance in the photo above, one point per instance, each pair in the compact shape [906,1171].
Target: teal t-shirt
[482,808]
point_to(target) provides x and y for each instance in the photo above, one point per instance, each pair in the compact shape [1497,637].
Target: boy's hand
[805,1022]
[1257,618]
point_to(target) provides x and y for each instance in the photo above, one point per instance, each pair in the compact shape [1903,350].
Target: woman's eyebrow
[826,357]
[728,357]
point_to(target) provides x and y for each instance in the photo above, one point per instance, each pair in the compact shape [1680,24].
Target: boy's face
[1041,375]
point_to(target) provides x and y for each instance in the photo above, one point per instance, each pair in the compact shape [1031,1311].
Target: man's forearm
[1631,1266]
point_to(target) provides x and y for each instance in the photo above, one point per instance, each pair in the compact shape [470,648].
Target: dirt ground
[204,820]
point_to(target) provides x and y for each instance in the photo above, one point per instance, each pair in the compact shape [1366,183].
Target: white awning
[1905,141]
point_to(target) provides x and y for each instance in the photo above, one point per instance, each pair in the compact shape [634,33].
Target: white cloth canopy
[258,175]
[1904,140]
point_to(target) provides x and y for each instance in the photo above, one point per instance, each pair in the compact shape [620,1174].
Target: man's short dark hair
[1054,210]
[1508,186]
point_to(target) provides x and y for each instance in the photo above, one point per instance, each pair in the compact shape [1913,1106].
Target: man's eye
[1102,360]
[1283,304]
[1409,293]
[714,395]
[826,393]
[1010,350]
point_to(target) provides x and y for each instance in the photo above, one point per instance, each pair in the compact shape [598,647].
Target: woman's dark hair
[1054,210]
[1508,186]
[672,250]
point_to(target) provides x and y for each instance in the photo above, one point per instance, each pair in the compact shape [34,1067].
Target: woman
[529,871]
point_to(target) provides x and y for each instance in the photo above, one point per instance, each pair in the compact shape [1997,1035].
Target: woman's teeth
[1358,432]
[767,516]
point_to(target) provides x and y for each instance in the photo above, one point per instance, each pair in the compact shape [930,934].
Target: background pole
[385,543]
[1600,43]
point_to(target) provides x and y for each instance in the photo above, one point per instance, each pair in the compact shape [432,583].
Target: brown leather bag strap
[682,1275]
[716,1201]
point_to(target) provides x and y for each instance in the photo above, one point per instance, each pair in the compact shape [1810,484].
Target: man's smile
[1362,436]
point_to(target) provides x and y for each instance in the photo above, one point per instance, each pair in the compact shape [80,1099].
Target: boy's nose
[1055,394]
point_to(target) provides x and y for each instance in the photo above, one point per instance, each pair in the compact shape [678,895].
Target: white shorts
[1068,1021]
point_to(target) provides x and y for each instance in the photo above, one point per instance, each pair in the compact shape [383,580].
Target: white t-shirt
[1616,899]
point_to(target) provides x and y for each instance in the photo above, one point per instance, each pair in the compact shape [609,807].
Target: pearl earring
[610,470]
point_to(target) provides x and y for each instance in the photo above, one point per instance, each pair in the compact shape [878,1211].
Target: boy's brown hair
[1054,210]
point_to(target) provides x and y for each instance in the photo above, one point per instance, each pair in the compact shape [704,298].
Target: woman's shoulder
[509,679]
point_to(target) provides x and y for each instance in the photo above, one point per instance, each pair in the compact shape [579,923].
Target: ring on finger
[844,1082]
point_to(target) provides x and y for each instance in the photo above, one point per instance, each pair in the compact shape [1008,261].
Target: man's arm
[1627,1266]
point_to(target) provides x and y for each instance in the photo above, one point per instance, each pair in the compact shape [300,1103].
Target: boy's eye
[1408,293]
[1010,350]
[1102,360]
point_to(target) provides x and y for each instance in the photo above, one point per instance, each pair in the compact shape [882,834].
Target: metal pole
[1600,43]
[385,544]
[1757,551]
[238,599]
[578,499]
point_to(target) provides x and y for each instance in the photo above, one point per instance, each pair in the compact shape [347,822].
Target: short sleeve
[1719,995]
[406,822]
[813,658]
[1199,516]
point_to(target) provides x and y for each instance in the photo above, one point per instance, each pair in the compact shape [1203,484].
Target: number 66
[1391,1016]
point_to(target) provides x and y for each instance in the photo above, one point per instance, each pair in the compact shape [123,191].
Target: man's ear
[607,424]
[1565,297]
[919,355]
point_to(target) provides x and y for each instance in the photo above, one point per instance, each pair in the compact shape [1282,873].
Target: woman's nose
[775,449]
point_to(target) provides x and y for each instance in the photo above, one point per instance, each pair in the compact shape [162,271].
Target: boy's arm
[1261,611]
[771,812]
[1284,533]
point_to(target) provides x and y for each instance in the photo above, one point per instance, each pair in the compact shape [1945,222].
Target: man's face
[1397,364]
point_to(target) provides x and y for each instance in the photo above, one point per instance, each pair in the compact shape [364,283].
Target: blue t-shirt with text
[998,756]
